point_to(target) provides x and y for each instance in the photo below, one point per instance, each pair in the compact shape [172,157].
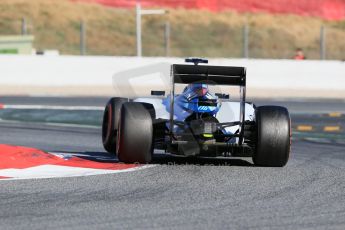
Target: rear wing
[213,75]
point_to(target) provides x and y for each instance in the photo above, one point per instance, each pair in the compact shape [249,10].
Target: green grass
[55,25]
[8,51]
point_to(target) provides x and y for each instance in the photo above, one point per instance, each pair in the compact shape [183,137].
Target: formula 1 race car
[197,122]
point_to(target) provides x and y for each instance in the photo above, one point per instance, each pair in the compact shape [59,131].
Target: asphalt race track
[308,193]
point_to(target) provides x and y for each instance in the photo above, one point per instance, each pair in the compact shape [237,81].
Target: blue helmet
[197,98]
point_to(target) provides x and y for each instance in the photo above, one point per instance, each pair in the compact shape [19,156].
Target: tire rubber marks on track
[27,163]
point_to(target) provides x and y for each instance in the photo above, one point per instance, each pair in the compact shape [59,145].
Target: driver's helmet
[197,98]
[195,90]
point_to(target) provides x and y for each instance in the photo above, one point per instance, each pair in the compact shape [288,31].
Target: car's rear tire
[110,123]
[273,137]
[135,134]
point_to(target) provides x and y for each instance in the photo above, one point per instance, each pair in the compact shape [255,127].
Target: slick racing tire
[110,123]
[273,137]
[135,134]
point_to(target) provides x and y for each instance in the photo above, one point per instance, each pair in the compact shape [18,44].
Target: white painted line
[52,124]
[53,107]
[56,171]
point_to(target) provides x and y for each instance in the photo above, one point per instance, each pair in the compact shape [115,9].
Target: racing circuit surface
[308,193]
